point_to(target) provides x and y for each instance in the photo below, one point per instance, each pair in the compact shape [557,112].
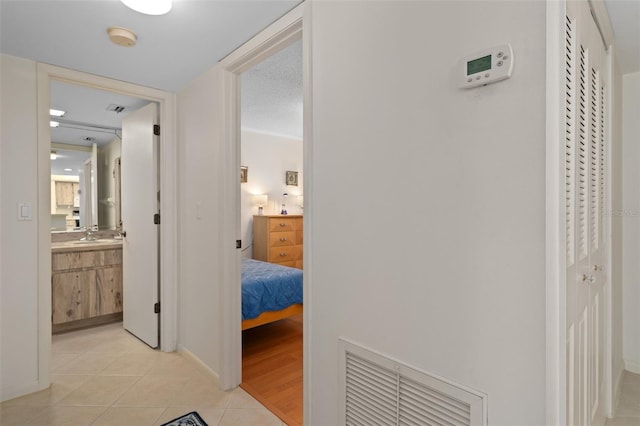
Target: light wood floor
[272,367]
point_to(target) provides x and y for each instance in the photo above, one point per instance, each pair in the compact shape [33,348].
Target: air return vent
[116,108]
[376,390]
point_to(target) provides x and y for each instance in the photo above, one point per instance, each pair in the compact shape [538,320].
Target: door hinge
[238,244]
[156,129]
[156,308]
[156,219]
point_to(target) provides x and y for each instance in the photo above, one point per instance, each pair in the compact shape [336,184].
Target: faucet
[88,234]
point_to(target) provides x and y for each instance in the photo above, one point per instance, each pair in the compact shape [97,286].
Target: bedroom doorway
[271,221]
[277,37]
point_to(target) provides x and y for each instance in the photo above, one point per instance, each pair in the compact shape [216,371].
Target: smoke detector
[122,36]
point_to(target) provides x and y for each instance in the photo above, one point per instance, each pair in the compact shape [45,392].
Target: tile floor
[105,376]
[628,411]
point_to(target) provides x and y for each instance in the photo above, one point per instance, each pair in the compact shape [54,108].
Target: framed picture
[244,170]
[291,178]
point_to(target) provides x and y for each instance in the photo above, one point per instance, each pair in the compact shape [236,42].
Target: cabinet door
[64,193]
[108,290]
[71,295]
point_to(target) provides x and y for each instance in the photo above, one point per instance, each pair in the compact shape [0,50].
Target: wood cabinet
[67,193]
[86,288]
[278,239]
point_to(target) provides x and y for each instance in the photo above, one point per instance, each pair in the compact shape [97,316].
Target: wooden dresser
[278,239]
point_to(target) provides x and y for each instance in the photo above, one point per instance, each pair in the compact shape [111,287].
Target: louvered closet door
[585,201]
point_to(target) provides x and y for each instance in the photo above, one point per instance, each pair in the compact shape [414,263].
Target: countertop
[77,245]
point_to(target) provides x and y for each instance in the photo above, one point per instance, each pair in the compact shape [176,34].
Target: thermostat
[487,66]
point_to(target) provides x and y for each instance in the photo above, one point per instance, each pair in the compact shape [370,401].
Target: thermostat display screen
[479,65]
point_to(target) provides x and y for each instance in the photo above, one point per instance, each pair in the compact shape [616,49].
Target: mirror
[85,156]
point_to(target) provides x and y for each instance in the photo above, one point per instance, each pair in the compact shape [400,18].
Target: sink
[100,241]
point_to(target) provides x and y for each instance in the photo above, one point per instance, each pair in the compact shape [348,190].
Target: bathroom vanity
[86,283]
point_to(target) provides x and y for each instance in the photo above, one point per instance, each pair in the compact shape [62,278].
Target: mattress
[268,287]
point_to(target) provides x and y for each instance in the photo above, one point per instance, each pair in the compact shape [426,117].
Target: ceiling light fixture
[56,113]
[54,123]
[122,36]
[149,7]
[68,170]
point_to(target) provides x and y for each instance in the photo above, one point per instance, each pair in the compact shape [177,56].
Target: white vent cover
[377,390]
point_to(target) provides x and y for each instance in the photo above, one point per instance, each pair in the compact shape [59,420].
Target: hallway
[105,376]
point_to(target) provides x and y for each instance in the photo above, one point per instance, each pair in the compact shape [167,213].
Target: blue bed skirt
[268,287]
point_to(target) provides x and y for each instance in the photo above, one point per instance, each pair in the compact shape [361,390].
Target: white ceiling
[172,49]
[625,19]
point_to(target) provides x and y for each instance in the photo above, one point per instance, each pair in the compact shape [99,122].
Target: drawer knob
[283,239]
[283,254]
[283,224]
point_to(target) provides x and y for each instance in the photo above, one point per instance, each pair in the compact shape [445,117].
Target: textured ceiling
[272,94]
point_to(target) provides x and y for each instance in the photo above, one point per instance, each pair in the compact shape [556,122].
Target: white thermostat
[487,66]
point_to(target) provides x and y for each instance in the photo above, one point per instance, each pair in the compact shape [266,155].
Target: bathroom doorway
[167,269]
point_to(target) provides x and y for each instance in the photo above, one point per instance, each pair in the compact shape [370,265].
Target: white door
[139,174]
[586,143]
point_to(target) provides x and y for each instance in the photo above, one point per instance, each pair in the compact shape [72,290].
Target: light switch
[24,211]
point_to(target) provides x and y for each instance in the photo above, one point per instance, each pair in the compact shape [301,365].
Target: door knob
[598,268]
[124,234]
[589,279]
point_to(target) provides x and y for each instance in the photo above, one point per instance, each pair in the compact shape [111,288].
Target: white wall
[428,210]
[19,239]
[199,217]
[631,221]
[268,157]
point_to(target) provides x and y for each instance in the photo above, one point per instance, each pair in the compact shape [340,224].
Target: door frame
[274,38]
[168,202]
[556,243]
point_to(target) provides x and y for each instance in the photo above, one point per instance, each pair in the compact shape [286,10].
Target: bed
[270,292]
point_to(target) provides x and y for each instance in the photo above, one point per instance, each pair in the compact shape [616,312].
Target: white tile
[138,416]
[87,363]
[100,390]
[249,417]
[67,416]
[241,399]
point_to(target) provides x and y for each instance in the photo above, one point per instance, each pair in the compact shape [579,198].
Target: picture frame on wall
[291,178]
[244,172]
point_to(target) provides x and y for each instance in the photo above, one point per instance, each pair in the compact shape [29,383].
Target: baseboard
[17,391]
[617,389]
[204,368]
[632,365]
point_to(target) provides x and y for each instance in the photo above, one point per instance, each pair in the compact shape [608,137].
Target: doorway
[272,178]
[168,262]
[276,37]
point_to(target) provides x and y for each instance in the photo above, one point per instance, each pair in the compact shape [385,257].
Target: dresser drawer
[281,224]
[279,239]
[285,254]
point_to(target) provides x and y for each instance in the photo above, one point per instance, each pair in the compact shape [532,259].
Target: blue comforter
[268,287]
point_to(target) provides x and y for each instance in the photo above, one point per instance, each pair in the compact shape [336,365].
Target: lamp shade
[260,200]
